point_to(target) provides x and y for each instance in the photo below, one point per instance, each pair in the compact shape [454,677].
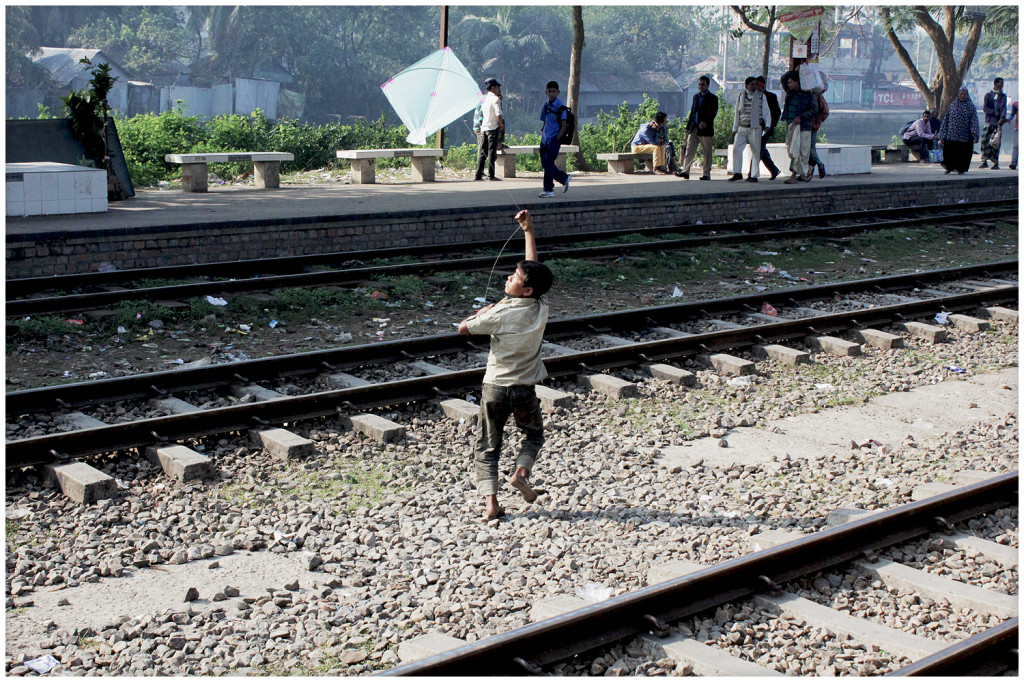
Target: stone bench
[364,162]
[194,175]
[505,162]
[893,153]
[622,162]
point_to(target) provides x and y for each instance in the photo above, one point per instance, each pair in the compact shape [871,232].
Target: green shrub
[146,138]
[461,158]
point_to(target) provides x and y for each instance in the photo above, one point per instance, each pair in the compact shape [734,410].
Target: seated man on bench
[650,139]
[920,136]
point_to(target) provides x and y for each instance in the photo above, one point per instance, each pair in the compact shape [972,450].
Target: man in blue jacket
[798,114]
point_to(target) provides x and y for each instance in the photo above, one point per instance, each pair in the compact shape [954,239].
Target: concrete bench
[266,165]
[364,162]
[505,163]
[622,162]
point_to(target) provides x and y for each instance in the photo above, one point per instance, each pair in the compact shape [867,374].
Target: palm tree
[508,51]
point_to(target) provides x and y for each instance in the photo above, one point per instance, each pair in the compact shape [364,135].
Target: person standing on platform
[995,116]
[798,113]
[700,129]
[553,127]
[958,133]
[920,135]
[649,139]
[490,131]
[813,159]
[514,368]
[776,113]
[748,126]
[1015,117]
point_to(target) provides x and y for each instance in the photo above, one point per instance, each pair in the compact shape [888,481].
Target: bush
[461,158]
[146,138]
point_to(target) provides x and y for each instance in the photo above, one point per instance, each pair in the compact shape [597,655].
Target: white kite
[432,93]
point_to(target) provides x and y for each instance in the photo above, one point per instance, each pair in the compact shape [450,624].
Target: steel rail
[652,608]
[91,301]
[298,364]
[47,449]
[986,654]
[17,290]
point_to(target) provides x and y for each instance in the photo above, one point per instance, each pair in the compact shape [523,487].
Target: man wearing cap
[490,130]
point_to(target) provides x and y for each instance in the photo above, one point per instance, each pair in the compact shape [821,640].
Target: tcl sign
[898,99]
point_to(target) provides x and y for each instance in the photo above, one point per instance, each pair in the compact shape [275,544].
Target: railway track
[666,333]
[91,291]
[406,563]
[769,581]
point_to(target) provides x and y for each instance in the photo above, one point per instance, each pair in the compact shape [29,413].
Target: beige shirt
[516,326]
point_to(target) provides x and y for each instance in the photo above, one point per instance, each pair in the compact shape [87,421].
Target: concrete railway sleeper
[26,296]
[764,582]
[263,407]
[798,300]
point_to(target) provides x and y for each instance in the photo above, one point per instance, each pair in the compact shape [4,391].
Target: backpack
[570,124]
[905,128]
[822,114]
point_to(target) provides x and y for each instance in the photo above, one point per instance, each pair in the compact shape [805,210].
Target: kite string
[518,227]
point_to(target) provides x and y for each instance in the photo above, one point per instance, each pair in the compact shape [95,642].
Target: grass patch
[407,286]
[11,529]
[43,325]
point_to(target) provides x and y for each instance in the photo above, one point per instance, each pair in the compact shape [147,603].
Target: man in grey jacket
[749,124]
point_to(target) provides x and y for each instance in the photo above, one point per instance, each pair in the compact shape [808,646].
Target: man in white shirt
[748,125]
[490,130]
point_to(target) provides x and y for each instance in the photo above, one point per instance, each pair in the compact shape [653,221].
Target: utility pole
[725,50]
[444,44]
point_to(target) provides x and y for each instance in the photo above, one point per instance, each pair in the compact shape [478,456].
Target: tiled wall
[54,188]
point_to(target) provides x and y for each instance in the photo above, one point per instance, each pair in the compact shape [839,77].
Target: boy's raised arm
[526,222]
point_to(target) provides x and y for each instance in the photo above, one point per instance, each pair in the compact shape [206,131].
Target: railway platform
[166,227]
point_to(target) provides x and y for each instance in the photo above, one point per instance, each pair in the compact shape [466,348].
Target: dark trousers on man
[766,157]
[548,155]
[487,150]
[922,144]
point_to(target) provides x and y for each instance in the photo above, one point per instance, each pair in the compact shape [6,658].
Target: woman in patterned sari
[959,132]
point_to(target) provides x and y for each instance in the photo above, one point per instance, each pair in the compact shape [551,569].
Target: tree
[575,60]
[767,16]
[950,73]
[141,39]
[22,42]
[999,42]
[626,38]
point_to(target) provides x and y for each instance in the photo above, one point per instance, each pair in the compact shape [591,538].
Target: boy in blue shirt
[553,116]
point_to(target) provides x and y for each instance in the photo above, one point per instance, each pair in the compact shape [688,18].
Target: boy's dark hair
[705,79]
[750,79]
[660,117]
[552,84]
[926,112]
[997,80]
[537,276]
[759,79]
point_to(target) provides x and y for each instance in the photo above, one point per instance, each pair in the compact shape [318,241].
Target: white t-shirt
[492,110]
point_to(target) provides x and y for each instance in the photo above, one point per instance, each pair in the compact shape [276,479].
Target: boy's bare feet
[519,482]
[492,509]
